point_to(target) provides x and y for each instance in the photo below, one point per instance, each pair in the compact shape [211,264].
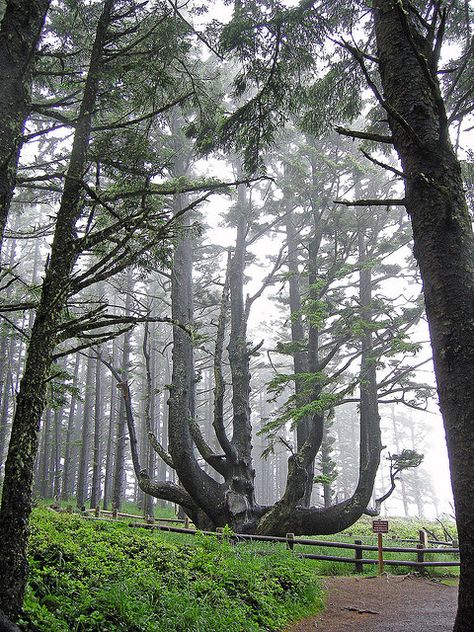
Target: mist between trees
[128,369]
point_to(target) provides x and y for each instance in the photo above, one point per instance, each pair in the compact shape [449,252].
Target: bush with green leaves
[88,575]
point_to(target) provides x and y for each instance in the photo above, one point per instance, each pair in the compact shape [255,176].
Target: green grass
[100,576]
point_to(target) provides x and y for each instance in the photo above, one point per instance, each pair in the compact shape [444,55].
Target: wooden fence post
[424,538]
[290,541]
[358,556]
[420,558]
[97,511]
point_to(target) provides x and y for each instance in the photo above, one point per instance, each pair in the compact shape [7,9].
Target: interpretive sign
[380,526]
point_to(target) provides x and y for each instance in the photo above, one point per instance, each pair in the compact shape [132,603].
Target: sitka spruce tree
[397,50]
[108,215]
[302,64]
[16,498]
[408,50]
[20,31]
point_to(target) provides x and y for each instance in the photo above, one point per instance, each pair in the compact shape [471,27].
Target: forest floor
[390,603]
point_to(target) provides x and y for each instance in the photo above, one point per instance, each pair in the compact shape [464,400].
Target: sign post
[380,527]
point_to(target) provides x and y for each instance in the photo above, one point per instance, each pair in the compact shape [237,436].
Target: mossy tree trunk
[17,490]
[443,247]
[20,32]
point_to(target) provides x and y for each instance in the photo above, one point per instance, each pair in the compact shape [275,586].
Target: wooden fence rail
[291,541]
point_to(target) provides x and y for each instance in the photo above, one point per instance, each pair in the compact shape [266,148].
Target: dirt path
[384,604]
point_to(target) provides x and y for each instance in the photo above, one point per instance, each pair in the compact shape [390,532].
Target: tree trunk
[19,36]
[82,492]
[298,337]
[151,415]
[396,436]
[205,491]
[443,247]
[96,451]
[241,475]
[43,464]
[17,491]
[67,470]
[118,488]
[109,450]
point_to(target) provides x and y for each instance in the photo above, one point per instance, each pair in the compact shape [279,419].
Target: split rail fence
[358,547]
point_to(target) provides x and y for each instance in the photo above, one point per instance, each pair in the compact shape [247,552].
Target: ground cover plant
[93,575]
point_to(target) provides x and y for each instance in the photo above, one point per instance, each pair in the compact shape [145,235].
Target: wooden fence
[358,547]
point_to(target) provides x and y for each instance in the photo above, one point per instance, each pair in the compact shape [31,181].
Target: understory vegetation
[93,575]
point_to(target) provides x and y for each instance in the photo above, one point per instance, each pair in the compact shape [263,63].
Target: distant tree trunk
[417,494]
[109,450]
[67,469]
[56,453]
[96,452]
[118,490]
[443,247]
[327,464]
[298,337]
[150,414]
[20,32]
[6,381]
[398,448]
[43,466]
[17,492]
[162,467]
[82,492]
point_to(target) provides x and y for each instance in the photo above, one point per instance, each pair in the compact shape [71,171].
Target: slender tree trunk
[43,466]
[398,448]
[55,461]
[82,492]
[109,451]
[96,452]
[17,487]
[151,414]
[19,36]
[118,490]
[443,247]
[67,469]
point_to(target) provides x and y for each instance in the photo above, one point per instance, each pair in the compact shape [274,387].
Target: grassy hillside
[96,576]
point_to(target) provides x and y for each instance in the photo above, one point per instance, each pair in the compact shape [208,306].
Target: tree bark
[68,470]
[19,36]
[300,357]
[96,451]
[17,492]
[118,488]
[443,247]
[206,492]
[82,492]
[109,449]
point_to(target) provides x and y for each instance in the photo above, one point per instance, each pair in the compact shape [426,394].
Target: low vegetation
[95,576]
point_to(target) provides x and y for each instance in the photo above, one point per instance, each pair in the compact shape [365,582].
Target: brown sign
[380,526]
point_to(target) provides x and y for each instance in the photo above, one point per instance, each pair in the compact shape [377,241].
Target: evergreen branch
[372,202]
[378,138]
[384,165]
